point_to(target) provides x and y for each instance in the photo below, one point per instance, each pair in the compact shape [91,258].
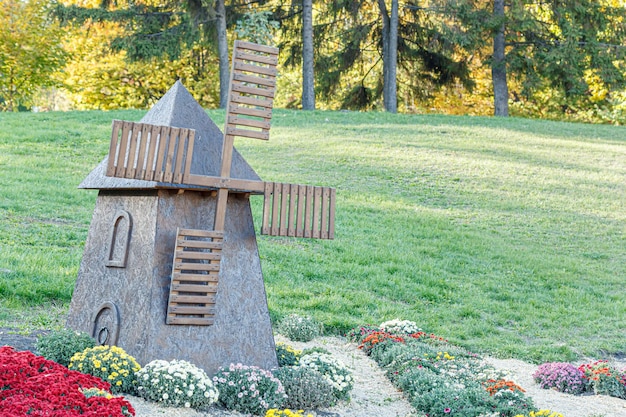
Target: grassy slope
[506,236]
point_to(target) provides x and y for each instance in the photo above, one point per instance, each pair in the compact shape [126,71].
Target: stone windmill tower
[171,268]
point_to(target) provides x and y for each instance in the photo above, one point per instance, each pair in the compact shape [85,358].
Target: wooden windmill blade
[252,89]
[149,152]
[298,211]
[249,108]
[195,273]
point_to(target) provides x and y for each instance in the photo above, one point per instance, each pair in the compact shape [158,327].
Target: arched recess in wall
[119,240]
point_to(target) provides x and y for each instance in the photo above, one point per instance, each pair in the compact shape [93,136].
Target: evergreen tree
[354,47]
[558,46]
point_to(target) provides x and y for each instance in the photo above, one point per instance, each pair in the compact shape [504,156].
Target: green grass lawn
[506,236]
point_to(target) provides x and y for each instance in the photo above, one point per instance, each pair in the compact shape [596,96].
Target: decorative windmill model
[163,153]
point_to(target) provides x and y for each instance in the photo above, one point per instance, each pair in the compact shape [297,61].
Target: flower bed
[34,386]
[597,377]
[440,379]
[437,378]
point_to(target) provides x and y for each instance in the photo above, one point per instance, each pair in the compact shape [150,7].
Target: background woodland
[533,58]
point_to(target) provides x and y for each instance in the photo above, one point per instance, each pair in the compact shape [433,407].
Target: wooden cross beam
[163,154]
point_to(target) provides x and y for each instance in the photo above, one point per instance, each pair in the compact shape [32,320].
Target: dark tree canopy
[348,40]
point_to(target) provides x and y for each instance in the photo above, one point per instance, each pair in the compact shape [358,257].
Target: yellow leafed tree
[30,51]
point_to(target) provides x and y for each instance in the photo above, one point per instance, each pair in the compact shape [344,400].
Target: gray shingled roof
[177,108]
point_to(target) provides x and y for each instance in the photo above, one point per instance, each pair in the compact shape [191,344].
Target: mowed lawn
[506,236]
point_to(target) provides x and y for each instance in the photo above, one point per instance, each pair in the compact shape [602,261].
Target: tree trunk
[390,83]
[222,49]
[308,79]
[498,66]
[390,54]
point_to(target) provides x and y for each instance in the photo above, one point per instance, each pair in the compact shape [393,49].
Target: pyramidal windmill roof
[177,108]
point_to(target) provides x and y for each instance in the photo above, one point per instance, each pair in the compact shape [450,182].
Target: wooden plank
[211,277]
[242,121]
[267,208]
[284,201]
[278,189]
[249,186]
[307,213]
[168,171]
[254,134]
[324,220]
[186,266]
[160,155]
[261,59]
[220,209]
[155,134]
[120,169]
[252,79]
[256,47]
[291,218]
[317,205]
[188,161]
[114,146]
[199,244]
[181,145]
[251,101]
[193,310]
[255,69]
[201,233]
[131,158]
[300,224]
[249,111]
[255,91]
[190,321]
[201,256]
[140,171]
[192,299]
[194,288]
[331,214]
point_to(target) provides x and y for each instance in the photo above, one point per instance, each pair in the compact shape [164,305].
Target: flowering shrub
[111,363]
[376,337]
[286,413]
[176,383]
[286,355]
[305,388]
[604,379]
[494,386]
[332,370]
[439,396]
[248,389]
[561,376]
[60,346]
[32,385]
[299,329]
[400,327]
[431,336]
[357,334]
